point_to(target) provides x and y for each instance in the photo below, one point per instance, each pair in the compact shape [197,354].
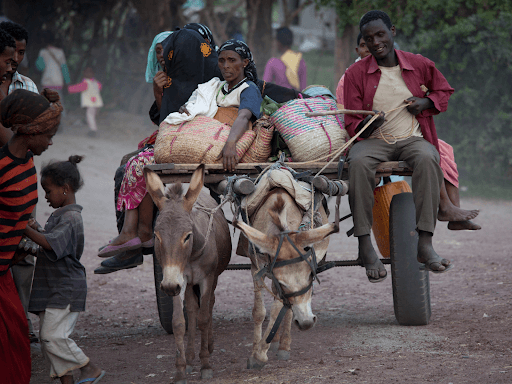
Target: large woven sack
[309,138]
[197,141]
[260,149]
[383,196]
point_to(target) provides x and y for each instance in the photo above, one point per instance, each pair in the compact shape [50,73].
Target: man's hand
[418,104]
[160,80]
[373,126]
[228,156]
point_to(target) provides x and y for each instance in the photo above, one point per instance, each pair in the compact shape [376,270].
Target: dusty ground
[356,339]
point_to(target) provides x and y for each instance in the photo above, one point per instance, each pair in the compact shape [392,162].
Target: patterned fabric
[448,164]
[133,187]
[203,30]
[14,343]
[28,113]
[243,50]
[153,65]
[18,197]
[22,82]
[59,277]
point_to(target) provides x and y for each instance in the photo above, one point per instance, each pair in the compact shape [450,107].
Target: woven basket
[383,196]
[197,141]
[309,138]
[260,149]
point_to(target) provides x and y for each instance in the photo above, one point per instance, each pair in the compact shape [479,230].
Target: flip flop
[426,267]
[372,279]
[111,250]
[92,380]
[149,244]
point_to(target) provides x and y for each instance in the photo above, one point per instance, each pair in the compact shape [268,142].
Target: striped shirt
[59,277]
[18,197]
[22,82]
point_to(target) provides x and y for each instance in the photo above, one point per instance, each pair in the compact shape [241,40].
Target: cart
[411,287]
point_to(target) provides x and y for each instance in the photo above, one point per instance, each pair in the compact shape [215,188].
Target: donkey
[189,260]
[293,281]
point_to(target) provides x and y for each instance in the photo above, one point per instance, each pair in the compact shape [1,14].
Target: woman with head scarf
[34,120]
[155,66]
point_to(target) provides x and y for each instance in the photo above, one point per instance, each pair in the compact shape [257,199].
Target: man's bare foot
[463,225]
[89,371]
[453,213]
[427,256]
[375,270]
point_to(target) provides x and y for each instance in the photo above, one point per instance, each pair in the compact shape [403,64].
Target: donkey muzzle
[173,281]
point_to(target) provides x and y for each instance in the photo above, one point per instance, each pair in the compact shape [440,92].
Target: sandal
[426,265]
[372,267]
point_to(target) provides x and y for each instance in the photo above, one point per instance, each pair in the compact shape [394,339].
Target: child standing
[59,289]
[90,98]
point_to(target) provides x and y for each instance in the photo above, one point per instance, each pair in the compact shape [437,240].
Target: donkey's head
[174,229]
[296,277]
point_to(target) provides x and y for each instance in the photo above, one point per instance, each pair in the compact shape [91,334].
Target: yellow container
[383,196]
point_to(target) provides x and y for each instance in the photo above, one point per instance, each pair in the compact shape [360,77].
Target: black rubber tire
[411,286]
[163,300]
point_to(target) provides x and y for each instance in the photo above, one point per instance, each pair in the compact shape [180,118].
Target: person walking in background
[52,62]
[90,99]
[23,271]
[289,70]
[34,120]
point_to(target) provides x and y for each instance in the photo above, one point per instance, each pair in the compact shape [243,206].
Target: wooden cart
[411,287]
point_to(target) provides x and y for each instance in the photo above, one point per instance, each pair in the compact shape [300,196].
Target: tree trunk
[344,50]
[259,36]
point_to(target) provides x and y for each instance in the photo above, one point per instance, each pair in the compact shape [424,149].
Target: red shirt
[362,79]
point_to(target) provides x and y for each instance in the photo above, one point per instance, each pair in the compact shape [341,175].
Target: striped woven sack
[309,138]
[197,141]
[260,149]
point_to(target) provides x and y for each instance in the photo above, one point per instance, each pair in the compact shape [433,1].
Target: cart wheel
[163,300]
[411,287]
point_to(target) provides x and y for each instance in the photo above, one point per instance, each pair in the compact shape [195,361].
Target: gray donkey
[180,234]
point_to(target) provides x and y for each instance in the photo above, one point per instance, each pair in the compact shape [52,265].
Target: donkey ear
[265,243]
[308,238]
[155,188]
[196,184]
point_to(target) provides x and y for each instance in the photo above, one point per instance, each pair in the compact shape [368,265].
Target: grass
[492,190]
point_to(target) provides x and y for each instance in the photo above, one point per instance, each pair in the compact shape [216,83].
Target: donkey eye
[187,238]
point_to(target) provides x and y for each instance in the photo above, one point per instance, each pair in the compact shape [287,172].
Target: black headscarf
[189,61]
[243,50]
[203,30]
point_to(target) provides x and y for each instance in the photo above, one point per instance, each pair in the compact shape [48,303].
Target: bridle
[268,270]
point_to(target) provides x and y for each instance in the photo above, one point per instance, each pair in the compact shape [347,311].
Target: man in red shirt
[394,83]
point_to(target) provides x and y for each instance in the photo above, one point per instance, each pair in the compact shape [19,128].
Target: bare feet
[453,213]
[375,270]
[463,225]
[427,256]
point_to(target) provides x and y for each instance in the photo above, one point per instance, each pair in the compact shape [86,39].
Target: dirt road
[356,339]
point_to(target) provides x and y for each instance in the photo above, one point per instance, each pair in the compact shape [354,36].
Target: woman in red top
[34,120]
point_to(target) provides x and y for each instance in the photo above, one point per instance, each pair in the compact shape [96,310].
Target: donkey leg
[192,309]
[178,326]
[210,323]
[264,346]
[203,325]
[286,338]
[258,314]
[274,345]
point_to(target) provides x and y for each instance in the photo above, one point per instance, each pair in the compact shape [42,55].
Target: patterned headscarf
[28,113]
[203,30]
[243,50]
[153,65]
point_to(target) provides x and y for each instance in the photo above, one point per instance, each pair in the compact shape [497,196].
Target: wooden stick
[339,112]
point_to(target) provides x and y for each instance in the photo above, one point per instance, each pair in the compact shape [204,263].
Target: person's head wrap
[153,65]
[285,36]
[203,30]
[28,113]
[243,50]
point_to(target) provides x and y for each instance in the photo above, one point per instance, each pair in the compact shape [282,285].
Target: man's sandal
[426,265]
[92,380]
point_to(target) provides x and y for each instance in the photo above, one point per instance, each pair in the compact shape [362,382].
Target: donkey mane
[275,211]
[175,191]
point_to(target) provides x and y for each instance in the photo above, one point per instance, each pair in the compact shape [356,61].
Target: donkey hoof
[253,363]
[274,346]
[283,355]
[189,369]
[206,374]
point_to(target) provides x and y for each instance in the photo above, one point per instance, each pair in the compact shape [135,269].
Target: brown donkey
[295,279]
[187,261]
